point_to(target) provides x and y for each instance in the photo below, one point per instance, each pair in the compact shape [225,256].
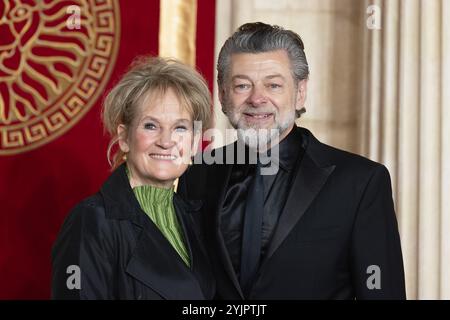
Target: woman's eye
[149,126]
[181,129]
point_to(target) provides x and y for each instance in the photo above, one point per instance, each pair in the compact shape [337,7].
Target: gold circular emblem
[55,59]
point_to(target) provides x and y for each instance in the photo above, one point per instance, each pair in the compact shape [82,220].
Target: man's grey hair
[258,37]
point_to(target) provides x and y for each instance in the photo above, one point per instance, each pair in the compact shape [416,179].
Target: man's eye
[149,126]
[242,86]
[274,85]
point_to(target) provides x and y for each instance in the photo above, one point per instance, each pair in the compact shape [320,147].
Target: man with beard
[322,226]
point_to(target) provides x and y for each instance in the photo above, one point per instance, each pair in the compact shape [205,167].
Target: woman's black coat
[108,248]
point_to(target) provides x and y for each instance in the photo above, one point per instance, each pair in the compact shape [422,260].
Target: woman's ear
[122,138]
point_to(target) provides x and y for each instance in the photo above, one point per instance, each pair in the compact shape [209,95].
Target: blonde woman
[136,238]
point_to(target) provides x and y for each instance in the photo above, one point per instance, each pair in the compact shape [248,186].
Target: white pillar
[445,155]
[389,90]
[430,149]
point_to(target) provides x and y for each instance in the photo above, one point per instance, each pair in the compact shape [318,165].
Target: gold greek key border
[61,117]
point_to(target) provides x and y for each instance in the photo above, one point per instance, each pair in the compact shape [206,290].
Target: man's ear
[222,98]
[122,136]
[301,94]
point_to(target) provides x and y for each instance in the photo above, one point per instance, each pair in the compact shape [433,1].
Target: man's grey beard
[260,139]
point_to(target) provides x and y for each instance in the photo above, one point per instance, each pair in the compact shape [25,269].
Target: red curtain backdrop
[39,187]
[206,17]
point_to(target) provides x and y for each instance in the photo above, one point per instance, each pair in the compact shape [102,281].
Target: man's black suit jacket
[336,238]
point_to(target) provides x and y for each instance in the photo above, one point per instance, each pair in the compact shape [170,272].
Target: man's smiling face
[260,92]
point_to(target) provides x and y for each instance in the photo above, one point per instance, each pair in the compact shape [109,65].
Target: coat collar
[121,203]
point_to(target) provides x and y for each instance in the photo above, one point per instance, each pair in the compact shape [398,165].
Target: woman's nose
[166,139]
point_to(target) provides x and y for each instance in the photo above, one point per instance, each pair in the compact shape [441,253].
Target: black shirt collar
[288,150]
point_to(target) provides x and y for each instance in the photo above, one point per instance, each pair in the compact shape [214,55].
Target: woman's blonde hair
[153,76]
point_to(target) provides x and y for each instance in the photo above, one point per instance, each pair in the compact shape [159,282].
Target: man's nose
[166,139]
[257,96]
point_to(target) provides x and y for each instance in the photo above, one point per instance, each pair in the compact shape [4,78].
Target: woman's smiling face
[159,143]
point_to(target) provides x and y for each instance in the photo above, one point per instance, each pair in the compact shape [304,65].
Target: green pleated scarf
[157,203]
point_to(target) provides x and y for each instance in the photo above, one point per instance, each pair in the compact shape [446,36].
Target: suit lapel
[308,181]
[188,213]
[217,183]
